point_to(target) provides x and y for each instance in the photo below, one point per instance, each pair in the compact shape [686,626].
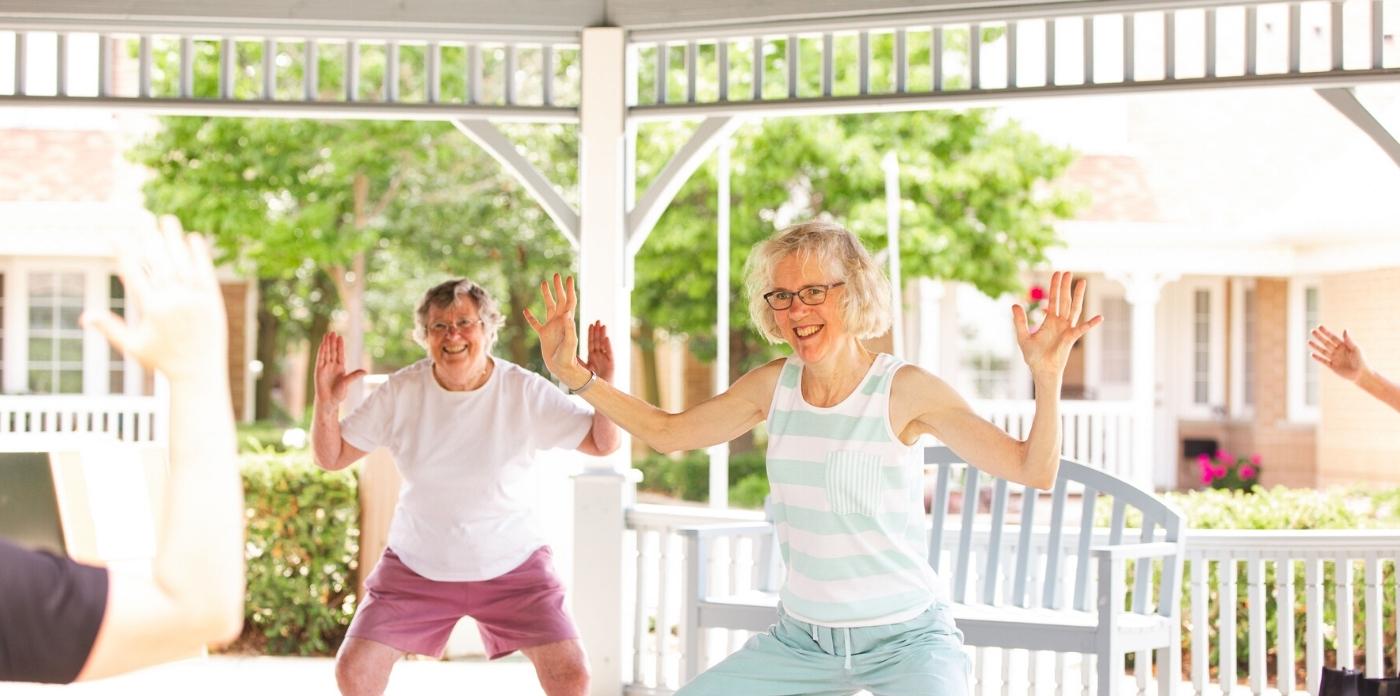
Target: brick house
[69,190]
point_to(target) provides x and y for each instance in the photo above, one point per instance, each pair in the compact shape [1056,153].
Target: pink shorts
[409,612]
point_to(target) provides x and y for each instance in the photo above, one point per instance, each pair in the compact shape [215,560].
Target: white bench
[1021,586]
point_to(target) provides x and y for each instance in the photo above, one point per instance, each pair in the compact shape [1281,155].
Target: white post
[1143,290]
[891,166]
[604,491]
[719,454]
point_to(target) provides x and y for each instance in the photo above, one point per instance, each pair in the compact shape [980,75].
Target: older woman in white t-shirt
[464,427]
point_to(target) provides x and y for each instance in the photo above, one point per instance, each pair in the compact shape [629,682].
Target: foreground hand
[1340,354]
[558,337]
[178,325]
[332,381]
[1046,348]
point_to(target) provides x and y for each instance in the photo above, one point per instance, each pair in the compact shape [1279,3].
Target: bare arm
[193,594]
[924,404]
[329,449]
[719,419]
[603,436]
[1341,355]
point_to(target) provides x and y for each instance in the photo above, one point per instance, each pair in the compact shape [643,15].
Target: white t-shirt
[464,507]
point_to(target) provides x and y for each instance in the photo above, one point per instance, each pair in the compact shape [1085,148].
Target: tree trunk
[266,353]
[320,323]
[518,346]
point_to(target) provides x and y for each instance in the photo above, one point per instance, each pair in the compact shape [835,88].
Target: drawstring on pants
[817,639]
[848,649]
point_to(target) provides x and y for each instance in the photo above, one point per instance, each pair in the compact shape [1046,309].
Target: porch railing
[126,418]
[1096,433]
[1294,596]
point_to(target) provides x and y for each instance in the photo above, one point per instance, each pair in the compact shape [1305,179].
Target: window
[1200,343]
[987,352]
[55,339]
[1311,318]
[116,362]
[1117,340]
[1247,353]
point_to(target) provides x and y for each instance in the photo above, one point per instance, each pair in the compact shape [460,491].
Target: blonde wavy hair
[865,304]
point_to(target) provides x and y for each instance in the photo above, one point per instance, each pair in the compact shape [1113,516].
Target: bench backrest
[1041,569]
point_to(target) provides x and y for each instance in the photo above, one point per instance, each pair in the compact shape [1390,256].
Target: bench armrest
[710,531]
[1156,549]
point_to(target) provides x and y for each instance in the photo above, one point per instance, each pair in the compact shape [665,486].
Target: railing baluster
[1251,40]
[901,63]
[474,73]
[104,65]
[722,58]
[21,63]
[310,82]
[1051,28]
[435,74]
[974,52]
[1129,57]
[61,65]
[144,67]
[509,79]
[936,58]
[639,628]
[1375,648]
[1313,599]
[352,70]
[1295,37]
[1200,632]
[1089,49]
[864,62]
[1283,573]
[792,66]
[1228,671]
[1210,42]
[1258,674]
[663,605]
[1344,577]
[1169,44]
[547,69]
[227,62]
[691,57]
[269,69]
[1377,34]
[757,68]
[1012,80]
[1337,31]
[391,72]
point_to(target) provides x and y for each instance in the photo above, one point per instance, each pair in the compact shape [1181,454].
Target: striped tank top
[847,500]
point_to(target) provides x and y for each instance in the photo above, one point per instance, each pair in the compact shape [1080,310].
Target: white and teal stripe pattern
[848,503]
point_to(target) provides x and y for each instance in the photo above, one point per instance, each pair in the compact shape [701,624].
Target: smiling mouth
[458,351]
[806,331]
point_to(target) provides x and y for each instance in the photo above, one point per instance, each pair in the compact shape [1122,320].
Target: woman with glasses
[860,607]
[464,428]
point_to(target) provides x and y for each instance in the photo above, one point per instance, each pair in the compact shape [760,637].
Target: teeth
[807,331]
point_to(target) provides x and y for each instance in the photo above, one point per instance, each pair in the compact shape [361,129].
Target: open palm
[558,337]
[1339,353]
[1046,348]
[332,381]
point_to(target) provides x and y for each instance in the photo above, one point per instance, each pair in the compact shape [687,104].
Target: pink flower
[1225,456]
[1203,459]
[1207,476]
[1219,471]
[1255,459]
[1037,293]
[1247,472]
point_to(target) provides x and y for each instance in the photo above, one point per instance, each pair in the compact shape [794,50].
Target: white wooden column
[719,454]
[604,491]
[1142,291]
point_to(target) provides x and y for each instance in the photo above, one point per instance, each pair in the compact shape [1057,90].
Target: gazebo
[585,62]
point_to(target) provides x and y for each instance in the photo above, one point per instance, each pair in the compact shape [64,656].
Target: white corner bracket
[1345,101]
[642,218]
[496,144]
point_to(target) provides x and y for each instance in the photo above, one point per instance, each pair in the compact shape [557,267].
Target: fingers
[1086,326]
[1326,338]
[1346,339]
[355,375]
[1319,349]
[111,326]
[531,320]
[570,297]
[1324,361]
[1061,297]
[548,296]
[1020,323]
[1077,305]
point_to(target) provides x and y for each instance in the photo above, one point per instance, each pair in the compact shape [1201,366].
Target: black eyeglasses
[810,295]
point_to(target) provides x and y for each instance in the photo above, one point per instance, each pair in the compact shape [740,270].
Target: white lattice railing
[1326,622]
[126,418]
[1096,433]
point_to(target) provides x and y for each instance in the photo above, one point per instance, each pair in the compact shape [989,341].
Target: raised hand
[179,326]
[558,337]
[1046,348]
[600,355]
[1340,354]
[332,381]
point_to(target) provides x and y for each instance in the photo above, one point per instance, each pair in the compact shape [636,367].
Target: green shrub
[302,550]
[688,477]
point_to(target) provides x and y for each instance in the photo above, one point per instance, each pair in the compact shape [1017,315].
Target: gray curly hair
[448,293]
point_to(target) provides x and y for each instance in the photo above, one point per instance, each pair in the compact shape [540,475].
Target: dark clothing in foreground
[50,610]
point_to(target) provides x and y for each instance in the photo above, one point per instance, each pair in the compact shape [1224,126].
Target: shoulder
[910,380]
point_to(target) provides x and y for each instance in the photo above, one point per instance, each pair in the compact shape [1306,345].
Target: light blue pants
[919,657]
